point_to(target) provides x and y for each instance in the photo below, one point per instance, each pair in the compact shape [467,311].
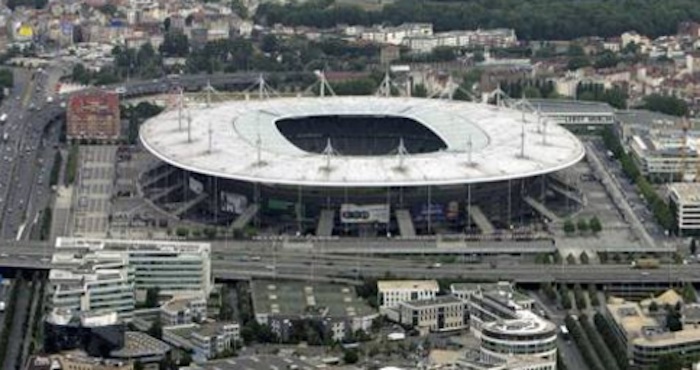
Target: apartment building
[685,198]
[183,310]
[206,340]
[93,114]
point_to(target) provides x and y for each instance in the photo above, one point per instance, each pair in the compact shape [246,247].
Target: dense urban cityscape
[349,184]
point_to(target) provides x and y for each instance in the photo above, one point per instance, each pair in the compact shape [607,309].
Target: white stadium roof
[246,144]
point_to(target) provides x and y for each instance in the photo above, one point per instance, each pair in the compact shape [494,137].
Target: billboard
[365,213]
[434,211]
[233,203]
[196,186]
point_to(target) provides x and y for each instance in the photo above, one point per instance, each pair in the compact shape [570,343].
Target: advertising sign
[196,186]
[233,203]
[365,213]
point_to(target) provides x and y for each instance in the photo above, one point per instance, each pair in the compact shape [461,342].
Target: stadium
[354,165]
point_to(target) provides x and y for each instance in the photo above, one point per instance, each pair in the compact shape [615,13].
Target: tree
[693,247]
[166,24]
[578,63]
[156,329]
[653,306]
[665,104]
[152,297]
[670,362]
[582,226]
[673,320]
[175,44]
[350,356]
[583,258]
[595,225]
[239,8]
[606,59]
[269,43]
[420,91]
[80,74]
[569,227]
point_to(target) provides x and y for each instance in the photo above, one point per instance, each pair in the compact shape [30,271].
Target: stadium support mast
[522,140]
[470,148]
[385,87]
[209,90]
[189,127]
[401,151]
[328,152]
[179,109]
[210,137]
[261,87]
[258,148]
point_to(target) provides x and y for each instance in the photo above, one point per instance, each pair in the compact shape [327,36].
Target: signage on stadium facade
[364,213]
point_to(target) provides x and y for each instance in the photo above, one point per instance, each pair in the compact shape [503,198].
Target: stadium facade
[354,165]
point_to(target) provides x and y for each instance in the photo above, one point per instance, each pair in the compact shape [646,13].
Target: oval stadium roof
[240,140]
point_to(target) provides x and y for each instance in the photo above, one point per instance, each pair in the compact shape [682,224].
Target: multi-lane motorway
[236,262]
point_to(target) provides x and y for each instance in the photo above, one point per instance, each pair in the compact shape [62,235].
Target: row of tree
[617,349]
[583,226]
[532,20]
[583,343]
[599,345]
[662,211]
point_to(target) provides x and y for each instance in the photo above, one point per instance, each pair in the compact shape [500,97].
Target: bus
[564,332]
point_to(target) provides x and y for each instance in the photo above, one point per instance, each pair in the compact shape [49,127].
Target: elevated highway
[237,262]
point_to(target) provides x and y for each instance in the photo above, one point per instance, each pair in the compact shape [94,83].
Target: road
[28,154]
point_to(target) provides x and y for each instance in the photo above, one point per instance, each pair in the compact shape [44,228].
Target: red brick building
[93,114]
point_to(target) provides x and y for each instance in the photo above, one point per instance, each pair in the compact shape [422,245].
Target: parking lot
[93,190]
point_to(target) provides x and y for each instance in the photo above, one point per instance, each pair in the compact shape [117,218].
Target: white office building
[685,198]
[393,292]
[206,340]
[442,314]
[507,328]
[177,268]
[95,275]
[99,282]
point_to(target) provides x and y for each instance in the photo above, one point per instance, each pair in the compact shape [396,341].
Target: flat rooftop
[258,362]
[643,329]
[566,106]
[300,298]
[686,192]
[386,285]
[445,299]
[68,243]
[240,140]
[137,344]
